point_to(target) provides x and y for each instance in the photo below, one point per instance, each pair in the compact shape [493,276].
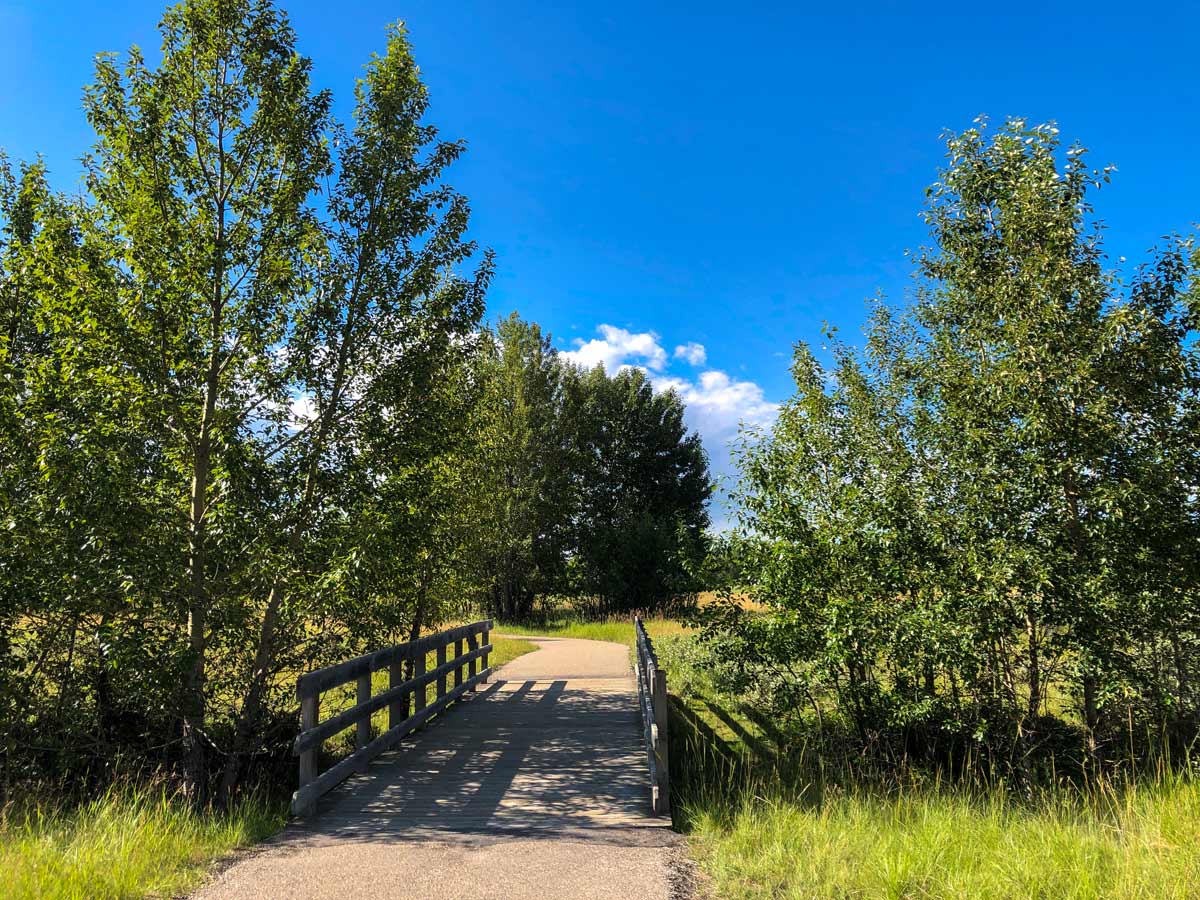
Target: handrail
[652,698]
[311,685]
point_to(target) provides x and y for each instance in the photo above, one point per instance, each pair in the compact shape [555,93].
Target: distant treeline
[979,535]
[251,422]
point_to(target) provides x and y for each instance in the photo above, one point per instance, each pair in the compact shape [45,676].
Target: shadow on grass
[748,740]
[767,725]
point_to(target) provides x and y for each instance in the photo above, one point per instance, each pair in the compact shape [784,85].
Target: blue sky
[724,175]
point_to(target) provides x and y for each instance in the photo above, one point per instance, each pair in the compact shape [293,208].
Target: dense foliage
[251,423]
[601,489]
[981,531]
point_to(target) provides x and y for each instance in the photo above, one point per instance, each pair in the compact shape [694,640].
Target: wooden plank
[473,644]
[321,680]
[652,699]
[458,670]
[305,798]
[661,755]
[396,693]
[418,683]
[646,707]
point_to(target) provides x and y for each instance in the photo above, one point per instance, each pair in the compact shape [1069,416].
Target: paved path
[534,788]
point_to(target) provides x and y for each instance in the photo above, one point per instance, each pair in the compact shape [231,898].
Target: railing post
[441,661]
[472,666]
[661,753]
[309,715]
[419,693]
[398,708]
[458,670]
[363,735]
[486,654]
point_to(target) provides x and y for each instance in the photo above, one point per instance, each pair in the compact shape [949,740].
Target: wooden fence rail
[309,688]
[652,695]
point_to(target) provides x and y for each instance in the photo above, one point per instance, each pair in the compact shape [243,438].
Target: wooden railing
[396,698]
[652,695]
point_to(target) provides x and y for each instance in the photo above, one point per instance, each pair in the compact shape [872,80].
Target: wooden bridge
[541,780]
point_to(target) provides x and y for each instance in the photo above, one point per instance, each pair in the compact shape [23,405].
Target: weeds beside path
[127,844]
[926,843]
[776,813]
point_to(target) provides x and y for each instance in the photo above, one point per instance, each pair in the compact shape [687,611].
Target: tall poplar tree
[202,171]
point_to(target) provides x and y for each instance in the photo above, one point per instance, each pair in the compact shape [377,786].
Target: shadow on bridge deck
[534,788]
[535,757]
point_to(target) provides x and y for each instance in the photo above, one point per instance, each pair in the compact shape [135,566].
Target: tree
[201,173]
[385,304]
[1000,494]
[642,482]
[79,553]
[207,374]
[1059,407]
[524,442]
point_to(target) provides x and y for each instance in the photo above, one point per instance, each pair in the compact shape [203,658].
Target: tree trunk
[1091,711]
[250,718]
[264,656]
[195,761]
[410,666]
[195,764]
[1035,670]
[106,717]
[1183,687]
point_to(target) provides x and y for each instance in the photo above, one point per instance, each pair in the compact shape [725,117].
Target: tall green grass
[128,843]
[1142,841]
[775,813]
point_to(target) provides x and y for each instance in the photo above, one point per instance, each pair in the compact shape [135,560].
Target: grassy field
[1140,842]
[617,631]
[125,844]
[768,817]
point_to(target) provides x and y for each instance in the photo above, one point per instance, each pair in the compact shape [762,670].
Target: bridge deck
[536,787]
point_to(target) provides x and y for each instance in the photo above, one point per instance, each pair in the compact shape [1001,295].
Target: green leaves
[210,368]
[995,503]
[597,490]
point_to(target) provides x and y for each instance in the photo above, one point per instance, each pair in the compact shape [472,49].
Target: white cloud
[303,409]
[717,403]
[618,348]
[691,351]
[716,406]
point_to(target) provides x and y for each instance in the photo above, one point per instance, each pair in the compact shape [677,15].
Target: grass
[128,843]
[616,631]
[770,817]
[1141,842]
[507,649]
